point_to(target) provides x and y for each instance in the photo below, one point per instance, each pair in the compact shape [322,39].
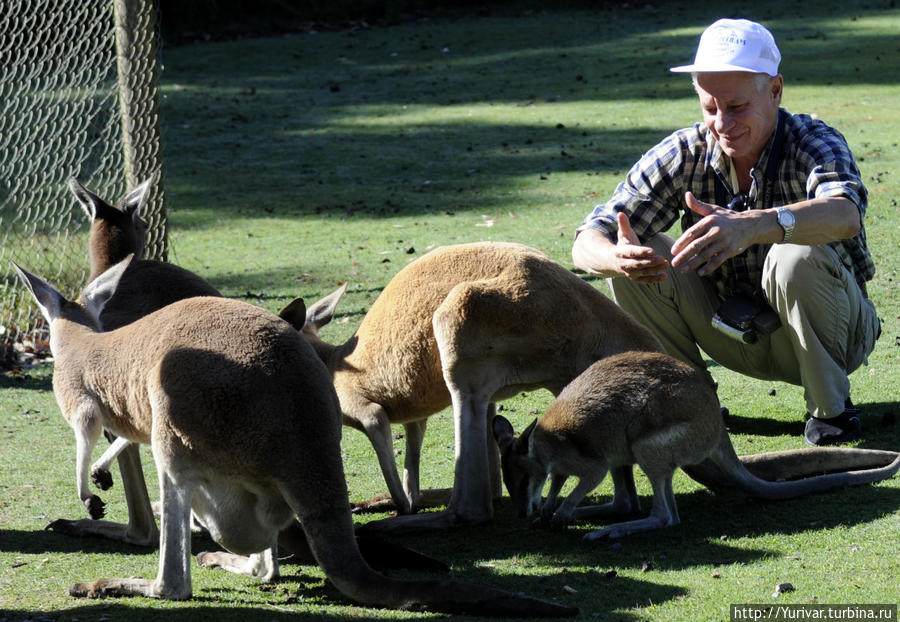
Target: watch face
[785,218]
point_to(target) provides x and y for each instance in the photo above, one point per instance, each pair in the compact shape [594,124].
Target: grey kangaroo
[116,232]
[245,427]
[648,409]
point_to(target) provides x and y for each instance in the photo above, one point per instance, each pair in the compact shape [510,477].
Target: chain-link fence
[78,98]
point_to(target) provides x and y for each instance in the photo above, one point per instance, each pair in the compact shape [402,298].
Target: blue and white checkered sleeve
[646,194]
[832,171]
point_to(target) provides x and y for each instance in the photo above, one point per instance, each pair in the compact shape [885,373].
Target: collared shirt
[814,162]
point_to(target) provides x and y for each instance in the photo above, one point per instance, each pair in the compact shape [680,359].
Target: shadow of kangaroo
[117,232]
[244,427]
[652,410]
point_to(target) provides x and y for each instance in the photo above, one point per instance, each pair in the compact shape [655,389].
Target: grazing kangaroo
[146,286]
[116,232]
[465,325]
[650,409]
[119,231]
[245,430]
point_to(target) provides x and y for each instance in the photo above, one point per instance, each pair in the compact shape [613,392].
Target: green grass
[294,164]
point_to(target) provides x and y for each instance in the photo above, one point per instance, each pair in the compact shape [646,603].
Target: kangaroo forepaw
[95,506]
[102,479]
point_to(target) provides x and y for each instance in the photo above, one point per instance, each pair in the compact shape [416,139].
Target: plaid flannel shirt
[815,161]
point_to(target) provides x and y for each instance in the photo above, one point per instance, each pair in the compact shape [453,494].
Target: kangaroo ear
[294,314]
[48,299]
[99,291]
[133,203]
[90,202]
[322,311]
[526,433]
[503,431]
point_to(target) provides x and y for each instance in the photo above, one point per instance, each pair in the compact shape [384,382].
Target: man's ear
[776,88]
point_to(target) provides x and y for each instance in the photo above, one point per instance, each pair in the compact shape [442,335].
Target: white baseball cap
[735,45]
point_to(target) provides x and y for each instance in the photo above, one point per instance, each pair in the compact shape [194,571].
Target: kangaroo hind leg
[173,580]
[659,466]
[625,500]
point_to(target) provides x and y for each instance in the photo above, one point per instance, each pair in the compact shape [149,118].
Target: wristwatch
[786,220]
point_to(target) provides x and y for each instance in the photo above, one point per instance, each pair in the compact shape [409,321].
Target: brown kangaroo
[245,428]
[116,232]
[466,325]
[146,286]
[652,410]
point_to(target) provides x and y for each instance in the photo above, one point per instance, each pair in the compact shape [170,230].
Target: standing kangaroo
[116,232]
[245,430]
[653,410]
[465,325]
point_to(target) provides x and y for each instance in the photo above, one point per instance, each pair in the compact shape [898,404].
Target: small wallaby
[245,427]
[652,410]
[464,325]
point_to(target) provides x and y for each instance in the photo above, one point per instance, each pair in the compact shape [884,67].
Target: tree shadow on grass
[763,426]
[879,426]
[296,587]
[27,381]
[338,123]
[708,522]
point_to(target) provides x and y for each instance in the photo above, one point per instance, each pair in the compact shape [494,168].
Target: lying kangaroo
[116,232]
[653,410]
[464,325]
[245,430]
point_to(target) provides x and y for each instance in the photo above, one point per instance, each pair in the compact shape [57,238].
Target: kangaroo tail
[331,539]
[794,464]
[772,476]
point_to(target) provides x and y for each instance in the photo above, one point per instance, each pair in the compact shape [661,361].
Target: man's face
[739,114]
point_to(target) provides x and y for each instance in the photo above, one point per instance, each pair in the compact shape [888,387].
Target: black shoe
[844,428]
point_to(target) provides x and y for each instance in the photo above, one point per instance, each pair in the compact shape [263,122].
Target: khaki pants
[828,325]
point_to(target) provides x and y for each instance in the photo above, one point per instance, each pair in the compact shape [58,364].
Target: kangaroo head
[116,231]
[523,474]
[54,305]
[308,320]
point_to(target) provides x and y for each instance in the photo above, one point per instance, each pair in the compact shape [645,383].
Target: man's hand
[594,253]
[721,234]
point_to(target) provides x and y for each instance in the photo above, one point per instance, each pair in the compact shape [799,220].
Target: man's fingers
[643,266]
[626,233]
[703,259]
[704,209]
[637,262]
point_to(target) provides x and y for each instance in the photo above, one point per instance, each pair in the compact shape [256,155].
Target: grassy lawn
[297,163]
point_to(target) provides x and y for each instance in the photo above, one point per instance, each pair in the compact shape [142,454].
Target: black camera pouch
[745,319]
